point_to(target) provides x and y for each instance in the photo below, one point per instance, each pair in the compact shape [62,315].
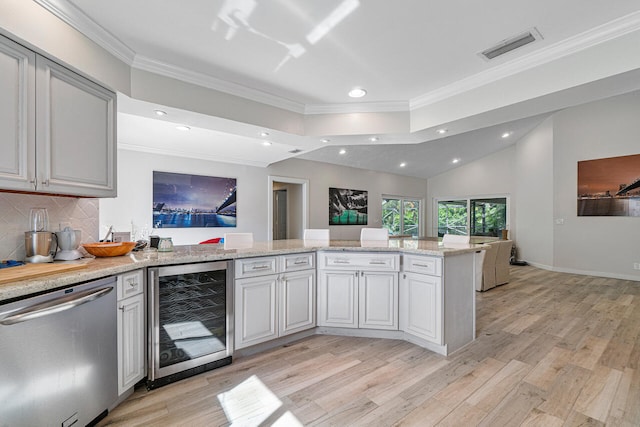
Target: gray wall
[540,175]
[134,201]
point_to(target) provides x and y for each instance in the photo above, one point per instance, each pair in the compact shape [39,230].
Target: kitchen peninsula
[276,292]
[432,300]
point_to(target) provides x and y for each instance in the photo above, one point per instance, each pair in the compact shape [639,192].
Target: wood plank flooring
[553,349]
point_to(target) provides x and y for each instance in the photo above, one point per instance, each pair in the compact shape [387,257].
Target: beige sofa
[495,267]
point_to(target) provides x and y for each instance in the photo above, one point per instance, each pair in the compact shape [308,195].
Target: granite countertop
[102,267]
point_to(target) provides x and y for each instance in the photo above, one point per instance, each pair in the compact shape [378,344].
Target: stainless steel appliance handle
[55,306]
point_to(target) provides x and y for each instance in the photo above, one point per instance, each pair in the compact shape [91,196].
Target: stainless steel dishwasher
[58,357]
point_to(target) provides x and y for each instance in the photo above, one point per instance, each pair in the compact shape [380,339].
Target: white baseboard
[585,272]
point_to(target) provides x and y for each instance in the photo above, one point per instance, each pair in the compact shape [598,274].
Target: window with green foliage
[452,217]
[476,217]
[401,216]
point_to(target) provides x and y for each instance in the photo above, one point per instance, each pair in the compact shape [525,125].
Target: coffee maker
[39,244]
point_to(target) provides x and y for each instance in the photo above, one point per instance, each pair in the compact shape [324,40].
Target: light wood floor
[553,349]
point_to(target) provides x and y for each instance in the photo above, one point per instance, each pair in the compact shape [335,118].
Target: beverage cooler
[190,320]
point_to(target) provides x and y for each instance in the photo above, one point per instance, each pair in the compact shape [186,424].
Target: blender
[68,241]
[38,242]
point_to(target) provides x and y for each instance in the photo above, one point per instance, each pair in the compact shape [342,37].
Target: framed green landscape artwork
[347,207]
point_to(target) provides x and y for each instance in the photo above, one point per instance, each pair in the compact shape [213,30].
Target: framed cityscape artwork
[188,201]
[347,207]
[609,187]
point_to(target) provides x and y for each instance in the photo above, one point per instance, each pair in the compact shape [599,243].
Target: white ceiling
[306,55]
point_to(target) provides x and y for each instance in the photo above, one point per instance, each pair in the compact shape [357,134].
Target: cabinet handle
[299,262]
[404,276]
[342,261]
[377,263]
[121,308]
[260,267]
[133,283]
[45,182]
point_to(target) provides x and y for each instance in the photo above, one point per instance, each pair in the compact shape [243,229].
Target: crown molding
[593,37]
[204,80]
[77,19]
[73,16]
[360,107]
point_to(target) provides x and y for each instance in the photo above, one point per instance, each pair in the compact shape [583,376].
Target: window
[476,217]
[401,216]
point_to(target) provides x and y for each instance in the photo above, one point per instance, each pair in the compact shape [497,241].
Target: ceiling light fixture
[442,131]
[183,128]
[266,143]
[160,113]
[357,92]
[506,135]
[403,164]
[456,160]
[373,139]
[325,140]
[264,134]
[343,151]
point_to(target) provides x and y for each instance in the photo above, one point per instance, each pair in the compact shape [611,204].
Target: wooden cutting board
[30,271]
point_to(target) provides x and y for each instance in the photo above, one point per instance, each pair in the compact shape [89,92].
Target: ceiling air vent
[296,151]
[511,43]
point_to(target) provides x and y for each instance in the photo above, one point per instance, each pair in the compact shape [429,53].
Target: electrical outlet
[636,265]
[559,221]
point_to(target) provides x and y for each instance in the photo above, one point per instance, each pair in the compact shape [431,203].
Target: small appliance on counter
[68,241]
[38,242]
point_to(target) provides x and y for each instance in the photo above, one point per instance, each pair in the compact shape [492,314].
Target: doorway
[280,208]
[288,207]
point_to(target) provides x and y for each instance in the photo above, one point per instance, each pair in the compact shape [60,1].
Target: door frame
[305,200]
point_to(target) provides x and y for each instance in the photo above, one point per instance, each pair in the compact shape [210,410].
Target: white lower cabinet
[131,329]
[421,306]
[365,298]
[274,305]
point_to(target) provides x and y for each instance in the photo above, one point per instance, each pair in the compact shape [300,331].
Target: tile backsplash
[79,214]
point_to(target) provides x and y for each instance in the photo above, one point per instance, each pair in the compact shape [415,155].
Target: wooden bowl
[104,249]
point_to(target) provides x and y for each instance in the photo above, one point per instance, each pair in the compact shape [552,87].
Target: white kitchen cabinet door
[378,298]
[338,299]
[255,310]
[422,306]
[17,116]
[297,302]
[131,341]
[75,133]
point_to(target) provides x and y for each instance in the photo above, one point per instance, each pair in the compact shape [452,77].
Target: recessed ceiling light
[343,151]
[456,160]
[264,134]
[442,131]
[182,127]
[373,139]
[357,92]
[403,164]
[160,113]
[506,135]
[266,143]
[325,140]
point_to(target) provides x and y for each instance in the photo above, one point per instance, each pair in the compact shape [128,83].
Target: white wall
[540,174]
[321,176]
[134,201]
[534,201]
[598,245]
[490,176]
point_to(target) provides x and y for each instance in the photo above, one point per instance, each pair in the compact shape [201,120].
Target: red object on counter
[214,240]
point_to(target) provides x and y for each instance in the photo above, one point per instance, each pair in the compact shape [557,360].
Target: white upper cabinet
[59,127]
[17,116]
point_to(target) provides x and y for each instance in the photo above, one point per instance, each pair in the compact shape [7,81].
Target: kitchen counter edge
[103,267]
